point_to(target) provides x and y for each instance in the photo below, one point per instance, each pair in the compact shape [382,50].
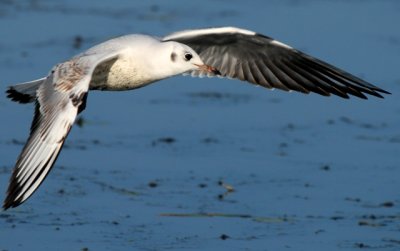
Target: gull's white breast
[121,74]
[131,69]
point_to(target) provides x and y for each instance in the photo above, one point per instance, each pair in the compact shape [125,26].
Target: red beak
[208,68]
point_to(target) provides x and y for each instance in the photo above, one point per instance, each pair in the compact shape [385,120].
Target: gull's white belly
[118,75]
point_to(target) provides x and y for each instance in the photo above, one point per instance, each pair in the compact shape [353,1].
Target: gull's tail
[25,92]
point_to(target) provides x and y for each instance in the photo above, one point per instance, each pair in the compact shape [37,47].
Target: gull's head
[184,59]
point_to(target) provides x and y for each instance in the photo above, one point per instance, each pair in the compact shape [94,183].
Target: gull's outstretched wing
[261,60]
[59,99]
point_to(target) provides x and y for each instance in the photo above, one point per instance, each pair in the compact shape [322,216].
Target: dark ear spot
[173,56]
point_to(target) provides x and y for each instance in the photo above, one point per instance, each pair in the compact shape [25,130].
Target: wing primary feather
[272,77]
[257,75]
[284,80]
[316,87]
[316,77]
[340,82]
[248,75]
[342,77]
[317,83]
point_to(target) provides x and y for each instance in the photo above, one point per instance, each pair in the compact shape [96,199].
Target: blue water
[308,172]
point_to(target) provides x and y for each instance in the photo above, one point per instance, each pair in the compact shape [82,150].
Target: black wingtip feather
[16,96]
[382,91]
[351,84]
[10,203]
[379,90]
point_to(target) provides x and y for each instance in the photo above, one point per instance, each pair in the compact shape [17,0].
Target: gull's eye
[188,56]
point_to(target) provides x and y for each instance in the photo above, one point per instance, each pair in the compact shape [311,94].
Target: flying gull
[134,61]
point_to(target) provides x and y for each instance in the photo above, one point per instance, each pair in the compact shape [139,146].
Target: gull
[133,61]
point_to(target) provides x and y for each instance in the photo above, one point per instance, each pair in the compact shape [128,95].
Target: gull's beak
[208,68]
